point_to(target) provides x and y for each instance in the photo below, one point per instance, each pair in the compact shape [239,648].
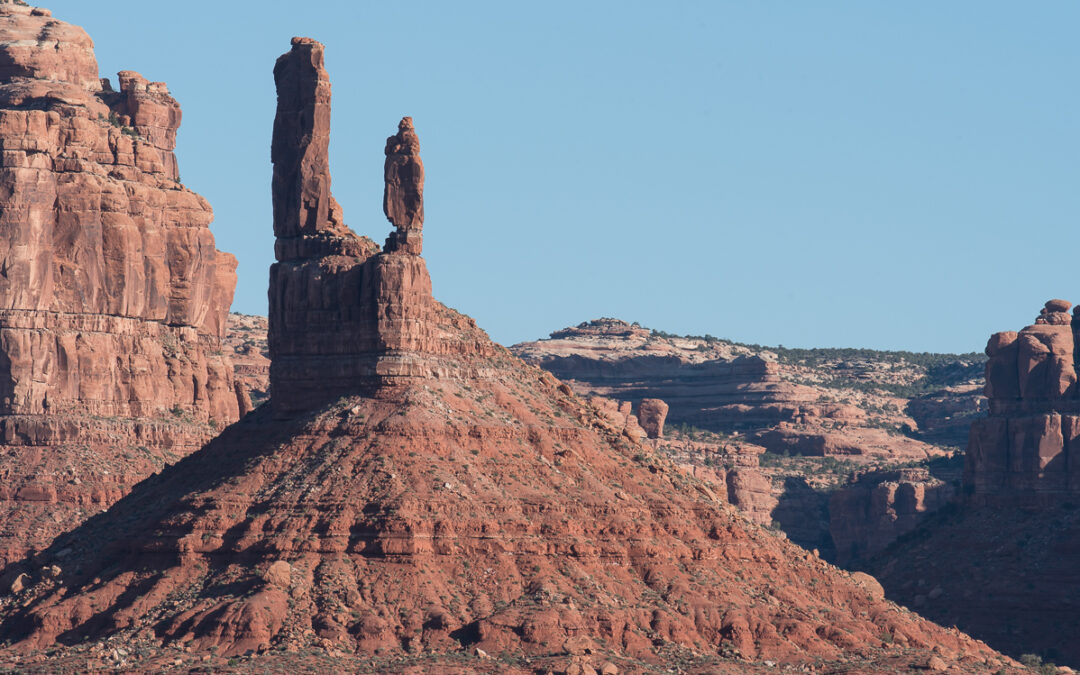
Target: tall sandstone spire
[113,297]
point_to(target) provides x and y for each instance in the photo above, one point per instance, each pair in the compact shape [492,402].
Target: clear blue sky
[873,174]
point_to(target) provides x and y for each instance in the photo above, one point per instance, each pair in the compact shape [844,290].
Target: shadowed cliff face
[113,297]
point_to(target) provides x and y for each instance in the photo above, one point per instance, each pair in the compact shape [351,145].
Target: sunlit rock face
[1027,448]
[113,297]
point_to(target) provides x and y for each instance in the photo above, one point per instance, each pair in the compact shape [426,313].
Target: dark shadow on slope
[803,514]
[1008,576]
[105,540]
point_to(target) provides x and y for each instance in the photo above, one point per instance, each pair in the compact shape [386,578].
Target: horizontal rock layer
[726,387]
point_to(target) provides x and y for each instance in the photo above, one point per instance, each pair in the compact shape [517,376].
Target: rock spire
[403,196]
[344,317]
[303,204]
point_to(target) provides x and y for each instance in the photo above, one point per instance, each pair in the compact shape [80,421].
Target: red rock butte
[344,317]
[1028,448]
[417,492]
[113,297]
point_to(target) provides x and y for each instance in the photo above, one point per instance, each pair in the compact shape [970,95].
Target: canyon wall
[879,507]
[113,297]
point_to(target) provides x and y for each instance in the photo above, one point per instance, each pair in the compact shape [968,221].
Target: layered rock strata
[112,298]
[734,470]
[452,502]
[730,388]
[720,386]
[1016,533]
[1027,447]
[245,339]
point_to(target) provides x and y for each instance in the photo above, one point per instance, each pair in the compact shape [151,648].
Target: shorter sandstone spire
[403,197]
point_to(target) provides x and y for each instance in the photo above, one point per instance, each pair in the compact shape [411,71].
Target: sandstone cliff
[446,502]
[880,507]
[1027,448]
[112,296]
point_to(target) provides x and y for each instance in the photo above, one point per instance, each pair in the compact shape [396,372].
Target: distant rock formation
[113,297]
[1016,533]
[868,515]
[245,338]
[718,386]
[732,467]
[1028,447]
[731,388]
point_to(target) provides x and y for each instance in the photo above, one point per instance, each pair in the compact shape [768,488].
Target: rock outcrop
[403,194]
[450,501]
[113,297]
[716,386]
[1027,448]
[1004,563]
[652,413]
[732,468]
[245,338]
